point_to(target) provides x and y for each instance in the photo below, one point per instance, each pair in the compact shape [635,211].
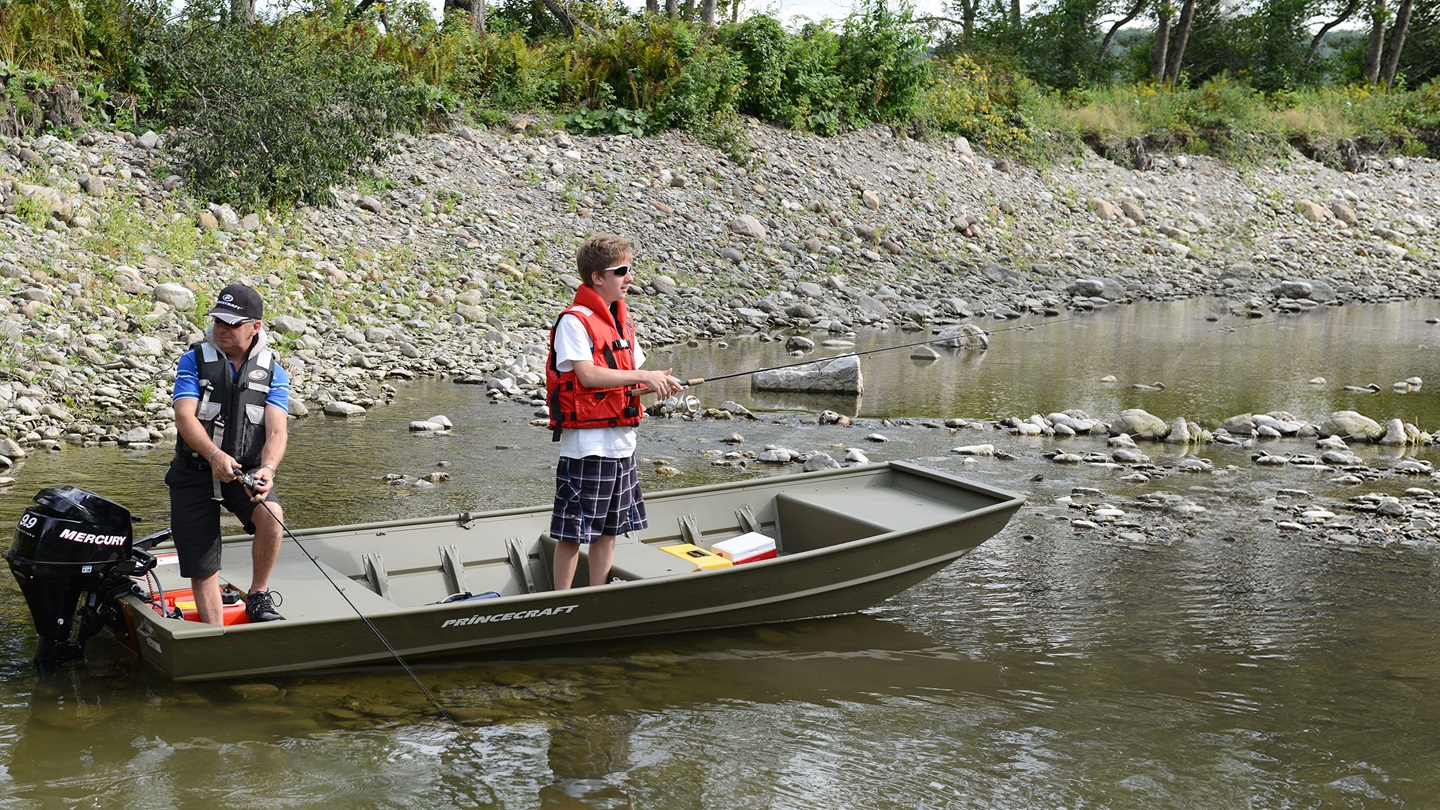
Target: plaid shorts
[596,496]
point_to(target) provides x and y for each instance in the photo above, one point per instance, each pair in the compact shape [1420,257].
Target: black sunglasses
[618,270]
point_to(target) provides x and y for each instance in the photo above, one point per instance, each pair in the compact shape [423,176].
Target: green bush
[705,92]
[881,60]
[289,111]
[790,80]
[505,72]
[1423,109]
[1223,105]
[674,70]
[992,109]
[763,47]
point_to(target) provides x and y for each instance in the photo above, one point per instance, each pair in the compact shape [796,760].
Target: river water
[1223,664]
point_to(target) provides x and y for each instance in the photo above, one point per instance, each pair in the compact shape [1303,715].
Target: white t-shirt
[572,343]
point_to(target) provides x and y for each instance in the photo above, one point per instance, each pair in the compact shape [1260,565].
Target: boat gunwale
[861,470]
[401,611]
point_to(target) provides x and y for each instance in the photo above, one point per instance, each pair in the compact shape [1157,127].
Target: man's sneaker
[260,607]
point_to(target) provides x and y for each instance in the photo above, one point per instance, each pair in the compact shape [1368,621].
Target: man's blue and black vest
[232,407]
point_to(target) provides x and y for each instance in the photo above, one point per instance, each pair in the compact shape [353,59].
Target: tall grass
[1214,116]
[43,35]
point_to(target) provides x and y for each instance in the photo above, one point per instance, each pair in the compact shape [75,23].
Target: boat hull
[849,539]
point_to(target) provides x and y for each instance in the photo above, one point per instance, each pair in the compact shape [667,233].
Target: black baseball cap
[237,303]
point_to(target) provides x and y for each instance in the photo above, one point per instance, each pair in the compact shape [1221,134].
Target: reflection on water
[1211,369]
[1231,665]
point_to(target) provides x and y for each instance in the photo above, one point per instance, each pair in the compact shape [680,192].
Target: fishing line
[1254,322]
[984,333]
[366,619]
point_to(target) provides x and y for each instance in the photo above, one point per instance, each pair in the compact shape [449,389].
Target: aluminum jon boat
[843,540]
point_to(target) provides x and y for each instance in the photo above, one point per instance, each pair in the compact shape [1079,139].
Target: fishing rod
[249,480]
[982,333]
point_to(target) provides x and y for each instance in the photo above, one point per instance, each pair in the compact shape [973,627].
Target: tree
[1421,60]
[1182,37]
[1344,15]
[1379,16]
[242,11]
[567,23]
[1160,51]
[967,11]
[1058,44]
[1397,41]
[1121,23]
[1273,43]
[882,59]
[474,8]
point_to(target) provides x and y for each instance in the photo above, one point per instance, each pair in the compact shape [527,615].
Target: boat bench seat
[809,521]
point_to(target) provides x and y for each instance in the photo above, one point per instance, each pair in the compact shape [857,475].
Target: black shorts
[195,515]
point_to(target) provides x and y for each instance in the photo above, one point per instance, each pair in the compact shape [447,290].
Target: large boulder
[1351,425]
[840,375]
[1140,424]
[1239,425]
[1180,432]
[746,225]
[176,295]
[290,325]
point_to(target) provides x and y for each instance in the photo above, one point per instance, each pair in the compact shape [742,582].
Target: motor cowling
[70,543]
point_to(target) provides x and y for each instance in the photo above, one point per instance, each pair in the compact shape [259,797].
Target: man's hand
[264,479]
[223,467]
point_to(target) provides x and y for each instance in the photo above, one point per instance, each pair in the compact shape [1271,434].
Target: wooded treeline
[276,105]
[1272,44]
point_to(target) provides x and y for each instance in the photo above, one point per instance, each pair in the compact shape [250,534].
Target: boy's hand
[661,383]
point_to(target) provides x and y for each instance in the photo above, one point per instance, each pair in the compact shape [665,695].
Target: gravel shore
[453,258]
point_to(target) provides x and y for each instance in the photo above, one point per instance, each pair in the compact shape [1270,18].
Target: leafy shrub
[1423,109]
[585,121]
[707,88]
[789,79]
[763,48]
[1225,105]
[675,70]
[881,60]
[991,109]
[287,113]
[506,72]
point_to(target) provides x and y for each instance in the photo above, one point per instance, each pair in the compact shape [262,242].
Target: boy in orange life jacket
[593,366]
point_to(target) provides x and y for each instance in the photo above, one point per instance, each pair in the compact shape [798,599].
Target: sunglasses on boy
[619,270]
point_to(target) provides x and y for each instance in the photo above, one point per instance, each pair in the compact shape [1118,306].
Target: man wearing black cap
[232,403]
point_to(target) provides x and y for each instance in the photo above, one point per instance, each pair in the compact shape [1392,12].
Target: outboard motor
[71,544]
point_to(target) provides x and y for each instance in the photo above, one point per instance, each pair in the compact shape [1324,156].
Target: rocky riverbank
[454,257]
